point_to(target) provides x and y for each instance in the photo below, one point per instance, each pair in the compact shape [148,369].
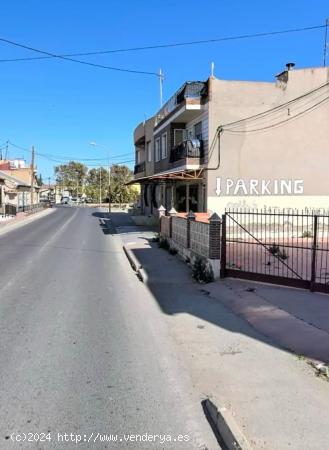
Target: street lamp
[94,144]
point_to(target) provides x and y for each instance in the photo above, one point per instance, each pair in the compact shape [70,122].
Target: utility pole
[32,176]
[100,186]
[109,189]
[326,44]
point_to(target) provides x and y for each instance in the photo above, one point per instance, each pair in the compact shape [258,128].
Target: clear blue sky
[60,106]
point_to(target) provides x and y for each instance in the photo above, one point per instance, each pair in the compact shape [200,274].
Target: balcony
[139,168]
[190,149]
[185,104]
[139,135]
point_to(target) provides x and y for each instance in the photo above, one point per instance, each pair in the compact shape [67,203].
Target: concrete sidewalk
[274,397]
[23,218]
[295,319]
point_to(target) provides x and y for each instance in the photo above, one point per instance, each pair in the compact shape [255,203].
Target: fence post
[223,248]
[214,236]
[162,212]
[172,213]
[315,238]
[190,217]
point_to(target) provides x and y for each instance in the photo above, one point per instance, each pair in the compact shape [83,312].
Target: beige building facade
[221,144]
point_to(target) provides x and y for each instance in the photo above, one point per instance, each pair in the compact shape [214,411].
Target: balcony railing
[190,148]
[189,90]
[10,210]
[139,168]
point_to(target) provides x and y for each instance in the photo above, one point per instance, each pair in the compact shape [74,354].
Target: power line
[275,116]
[64,158]
[79,61]
[114,163]
[269,112]
[153,47]
[276,108]
[280,122]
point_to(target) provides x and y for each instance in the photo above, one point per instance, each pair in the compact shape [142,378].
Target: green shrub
[202,271]
[163,243]
[307,234]
[274,249]
[282,254]
[156,237]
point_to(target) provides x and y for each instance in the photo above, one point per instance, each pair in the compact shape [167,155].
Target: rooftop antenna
[212,68]
[161,78]
[326,43]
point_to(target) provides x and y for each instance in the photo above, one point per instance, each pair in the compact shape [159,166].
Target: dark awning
[175,175]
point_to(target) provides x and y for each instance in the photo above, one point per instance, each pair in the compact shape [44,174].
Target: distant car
[65,200]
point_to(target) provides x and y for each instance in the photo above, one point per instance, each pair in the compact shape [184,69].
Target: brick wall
[199,238]
[179,231]
[165,226]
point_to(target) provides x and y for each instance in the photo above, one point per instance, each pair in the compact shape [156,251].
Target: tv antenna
[161,78]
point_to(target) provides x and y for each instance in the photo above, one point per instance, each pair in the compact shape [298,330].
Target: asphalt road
[84,349]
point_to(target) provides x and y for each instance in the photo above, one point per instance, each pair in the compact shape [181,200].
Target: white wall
[295,150]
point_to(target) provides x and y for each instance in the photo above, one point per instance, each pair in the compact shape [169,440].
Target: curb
[135,264]
[226,427]
[142,275]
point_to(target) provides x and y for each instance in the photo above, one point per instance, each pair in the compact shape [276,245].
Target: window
[164,146]
[157,149]
[149,151]
[198,131]
[178,136]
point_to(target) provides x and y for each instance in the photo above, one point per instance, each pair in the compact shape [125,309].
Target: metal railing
[192,89]
[32,208]
[190,148]
[287,248]
[10,210]
[139,168]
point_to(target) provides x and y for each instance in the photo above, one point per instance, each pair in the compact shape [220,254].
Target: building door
[168,198]
[181,198]
[193,199]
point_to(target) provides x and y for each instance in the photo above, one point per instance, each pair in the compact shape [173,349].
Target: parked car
[65,200]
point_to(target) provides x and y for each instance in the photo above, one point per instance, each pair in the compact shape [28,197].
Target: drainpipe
[219,131]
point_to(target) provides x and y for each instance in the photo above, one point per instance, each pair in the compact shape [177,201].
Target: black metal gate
[289,248]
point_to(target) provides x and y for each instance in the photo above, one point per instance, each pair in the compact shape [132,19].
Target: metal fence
[283,247]
[32,208]
[10,210]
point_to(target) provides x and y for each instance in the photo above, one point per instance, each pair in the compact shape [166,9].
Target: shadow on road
[105,222]
[169,280]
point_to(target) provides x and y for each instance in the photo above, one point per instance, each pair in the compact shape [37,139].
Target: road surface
[85,353]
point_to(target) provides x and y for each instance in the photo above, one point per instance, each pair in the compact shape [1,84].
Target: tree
[39,180]
[120,192]
[95,179]
[70,176]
